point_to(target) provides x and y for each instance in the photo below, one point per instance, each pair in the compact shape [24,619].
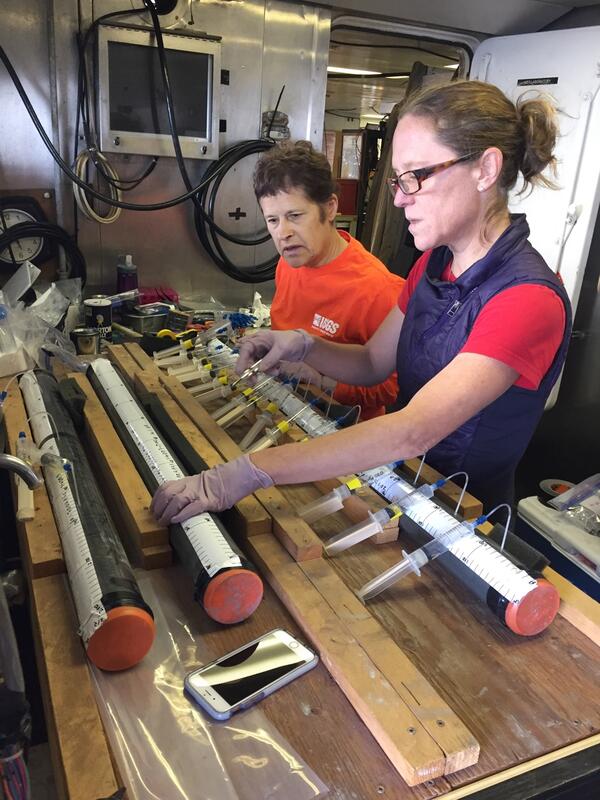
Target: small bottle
[127,278]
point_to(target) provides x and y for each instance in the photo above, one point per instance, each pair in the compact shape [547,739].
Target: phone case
[257,696]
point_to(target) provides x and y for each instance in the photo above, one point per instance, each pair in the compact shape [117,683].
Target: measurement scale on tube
[208,542]
[85,586]
[482,559]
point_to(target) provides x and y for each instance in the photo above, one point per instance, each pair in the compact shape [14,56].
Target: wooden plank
[577,607]
[247,516]
[119,356]
[499,778]
[39,540]
[400,734]
[83,767]
[143,359]
[296,536]
[458,744]
[470,507]
[129,500]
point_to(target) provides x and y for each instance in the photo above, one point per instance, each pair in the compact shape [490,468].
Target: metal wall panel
[164,244]
[264,45]
[24,161]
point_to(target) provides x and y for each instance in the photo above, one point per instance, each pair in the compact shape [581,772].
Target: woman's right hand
[273,347]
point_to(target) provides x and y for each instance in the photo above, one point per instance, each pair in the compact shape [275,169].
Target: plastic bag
[581,504]
[166,747]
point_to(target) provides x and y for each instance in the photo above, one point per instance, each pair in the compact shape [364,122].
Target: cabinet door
[563,63]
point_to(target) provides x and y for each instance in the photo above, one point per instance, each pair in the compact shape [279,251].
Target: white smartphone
[246,675]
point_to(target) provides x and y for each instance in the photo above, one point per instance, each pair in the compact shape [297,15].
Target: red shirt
[345,300]
[522,326]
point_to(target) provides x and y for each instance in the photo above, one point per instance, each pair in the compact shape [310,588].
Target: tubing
[116,625]
[526,604]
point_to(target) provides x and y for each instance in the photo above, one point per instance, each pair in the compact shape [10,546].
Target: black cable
[202,218]
[207,229]
[48,230]
[65,167]
[10,250]
[83,109]
[275,111]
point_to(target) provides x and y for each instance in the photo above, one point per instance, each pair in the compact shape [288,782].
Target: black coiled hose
[204,201]
[75,259]
[207,229]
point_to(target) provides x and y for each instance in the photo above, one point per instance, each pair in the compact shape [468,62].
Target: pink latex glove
[212,490]
[273,347]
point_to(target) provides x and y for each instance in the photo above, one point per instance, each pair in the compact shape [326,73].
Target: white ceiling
[356,96]
[396,53]
[484,16]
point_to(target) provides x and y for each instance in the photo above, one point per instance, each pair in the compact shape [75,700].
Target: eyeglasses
[409,182]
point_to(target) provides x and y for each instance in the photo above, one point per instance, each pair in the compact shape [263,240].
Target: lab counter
[531,702]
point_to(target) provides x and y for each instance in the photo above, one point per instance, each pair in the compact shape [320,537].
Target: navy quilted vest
[439,318]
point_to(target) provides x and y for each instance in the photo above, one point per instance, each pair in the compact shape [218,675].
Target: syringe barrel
[261,422]
[530,616]
[220,391]
[321,507]
[225,409]
[353,535]
[410,564]
[268,440]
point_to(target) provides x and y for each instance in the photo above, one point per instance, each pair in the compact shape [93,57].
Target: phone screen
[251,669]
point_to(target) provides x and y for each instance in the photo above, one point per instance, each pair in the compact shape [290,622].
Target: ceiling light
[350,71]
[451,66]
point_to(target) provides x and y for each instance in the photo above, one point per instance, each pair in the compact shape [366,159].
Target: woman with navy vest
[482,326]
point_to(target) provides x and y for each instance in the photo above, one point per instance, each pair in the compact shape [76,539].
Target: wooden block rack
[355,642]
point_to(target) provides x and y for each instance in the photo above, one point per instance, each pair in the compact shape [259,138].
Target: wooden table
[532,703]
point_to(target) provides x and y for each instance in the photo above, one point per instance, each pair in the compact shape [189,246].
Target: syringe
[375,522]
[331,502]
[412,562]
[223,390]
[262,421]
[272,435]
[362,530]
[206,386]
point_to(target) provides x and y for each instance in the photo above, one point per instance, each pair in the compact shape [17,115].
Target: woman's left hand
[212,490]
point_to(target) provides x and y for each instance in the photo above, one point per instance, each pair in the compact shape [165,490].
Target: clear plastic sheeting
[166,747]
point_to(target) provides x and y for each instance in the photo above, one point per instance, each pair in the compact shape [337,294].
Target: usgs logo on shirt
[326,325]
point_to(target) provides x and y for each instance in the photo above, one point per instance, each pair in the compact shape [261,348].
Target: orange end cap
[535,611]
[122,640]
[233,595]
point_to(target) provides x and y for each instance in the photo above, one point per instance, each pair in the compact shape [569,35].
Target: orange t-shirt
[345,301]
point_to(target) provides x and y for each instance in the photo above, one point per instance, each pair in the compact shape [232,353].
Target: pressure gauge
[25,249]
[31,246]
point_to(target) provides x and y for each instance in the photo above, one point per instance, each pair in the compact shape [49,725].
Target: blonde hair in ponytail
[471,116]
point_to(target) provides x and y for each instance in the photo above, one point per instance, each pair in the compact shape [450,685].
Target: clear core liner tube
[115,624]
[227,586]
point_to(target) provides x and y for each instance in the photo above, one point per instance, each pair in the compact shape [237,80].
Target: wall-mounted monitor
[132,110]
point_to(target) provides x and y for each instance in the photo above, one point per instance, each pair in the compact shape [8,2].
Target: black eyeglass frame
[421,174]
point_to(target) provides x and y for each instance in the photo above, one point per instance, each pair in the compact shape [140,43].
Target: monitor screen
[137,98]
[132,108]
